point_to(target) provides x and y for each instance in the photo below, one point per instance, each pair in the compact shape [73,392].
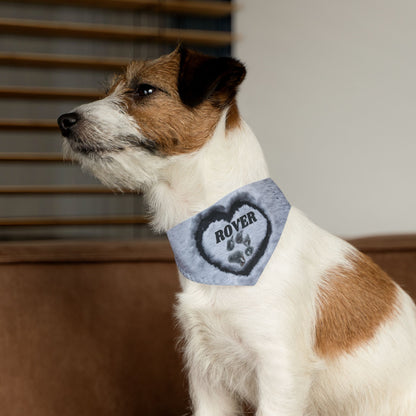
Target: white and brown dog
[323,331]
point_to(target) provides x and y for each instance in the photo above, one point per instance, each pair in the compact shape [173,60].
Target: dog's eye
[144,90]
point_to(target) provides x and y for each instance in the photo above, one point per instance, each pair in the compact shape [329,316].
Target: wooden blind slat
[49,93]
[203,8]
[70,221]
[32,157]
[76,30]
[193,7]
[60,190]
[29,125]
[61,61]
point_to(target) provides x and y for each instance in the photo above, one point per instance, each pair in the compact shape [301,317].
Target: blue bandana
[231,242]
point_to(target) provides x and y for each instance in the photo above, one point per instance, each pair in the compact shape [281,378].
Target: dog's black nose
[66,122]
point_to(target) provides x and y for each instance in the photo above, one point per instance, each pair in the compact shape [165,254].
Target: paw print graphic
[240,248]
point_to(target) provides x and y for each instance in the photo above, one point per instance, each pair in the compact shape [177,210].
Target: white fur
[257,343]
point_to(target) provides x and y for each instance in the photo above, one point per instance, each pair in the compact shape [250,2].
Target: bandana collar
[231,242]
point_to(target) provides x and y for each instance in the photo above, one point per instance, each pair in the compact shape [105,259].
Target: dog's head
[153,111]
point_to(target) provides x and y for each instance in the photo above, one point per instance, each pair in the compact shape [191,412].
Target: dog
[321,330]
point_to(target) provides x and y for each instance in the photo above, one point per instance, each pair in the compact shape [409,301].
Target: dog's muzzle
[66,123]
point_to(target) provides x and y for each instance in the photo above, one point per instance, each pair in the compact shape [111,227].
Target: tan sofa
[86,328]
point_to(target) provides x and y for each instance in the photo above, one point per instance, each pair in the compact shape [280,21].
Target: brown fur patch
[233,116]
[163,119]
[353,302]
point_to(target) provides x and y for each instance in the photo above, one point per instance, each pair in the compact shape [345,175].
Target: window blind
[55,55]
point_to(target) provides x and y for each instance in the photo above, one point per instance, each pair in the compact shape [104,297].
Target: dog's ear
[202,77]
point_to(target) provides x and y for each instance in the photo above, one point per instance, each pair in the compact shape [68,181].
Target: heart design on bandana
[233,240]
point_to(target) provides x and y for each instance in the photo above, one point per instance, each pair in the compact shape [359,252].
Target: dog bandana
[231,242]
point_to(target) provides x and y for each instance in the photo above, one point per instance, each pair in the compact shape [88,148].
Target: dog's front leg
[210,400]
[282,384]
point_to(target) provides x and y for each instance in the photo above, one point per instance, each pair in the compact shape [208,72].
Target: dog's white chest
[214,340]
